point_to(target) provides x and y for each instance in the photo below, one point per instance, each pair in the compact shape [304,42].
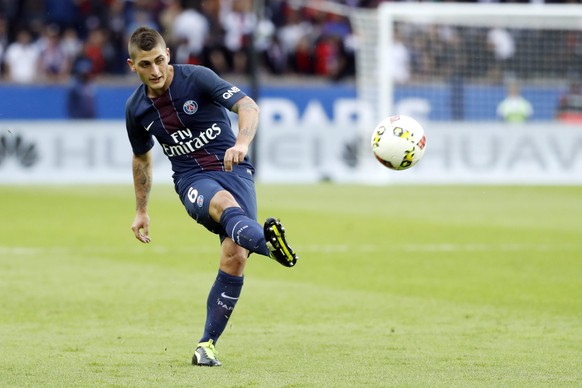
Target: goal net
[458,62]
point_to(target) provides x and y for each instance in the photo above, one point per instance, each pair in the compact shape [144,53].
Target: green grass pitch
[409,286]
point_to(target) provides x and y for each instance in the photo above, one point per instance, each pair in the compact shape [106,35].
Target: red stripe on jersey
[208,162]
[167,112]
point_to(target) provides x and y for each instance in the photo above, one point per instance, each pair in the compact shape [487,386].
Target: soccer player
[184,108]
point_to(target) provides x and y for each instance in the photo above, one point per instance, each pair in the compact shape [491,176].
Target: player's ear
[130,64]
[168,53]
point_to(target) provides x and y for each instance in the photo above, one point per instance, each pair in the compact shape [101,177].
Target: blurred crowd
[492,55]
[50,40]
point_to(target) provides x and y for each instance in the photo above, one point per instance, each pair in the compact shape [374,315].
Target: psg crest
[190,107]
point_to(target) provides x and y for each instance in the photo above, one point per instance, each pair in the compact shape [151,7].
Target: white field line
[442,247]
[312,248]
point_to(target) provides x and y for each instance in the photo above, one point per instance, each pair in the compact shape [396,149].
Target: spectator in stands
[22,59]
[294,35]
[338,28]
[275,58]
[188,34]
[302,58]
[423,50]
[400,58]
[293,29]
[514,108]
[167,17]
[100,51]
[71,44]
[81,93]
[570,104]
[54,62]
[502,48]
[215,55]
[326,56]
[116,36]
[456,69]
[239,22]
[267,47]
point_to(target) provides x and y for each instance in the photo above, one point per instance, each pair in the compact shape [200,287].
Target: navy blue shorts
[197,193]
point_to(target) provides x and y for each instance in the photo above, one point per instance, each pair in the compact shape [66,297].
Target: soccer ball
[398,142]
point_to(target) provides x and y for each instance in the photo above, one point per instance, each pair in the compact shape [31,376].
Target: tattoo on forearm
[248,127]
[142,178]
[248,132]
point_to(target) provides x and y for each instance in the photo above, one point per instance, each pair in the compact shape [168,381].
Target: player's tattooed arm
[248,118]
[142,182]
[248,121]
[142,179]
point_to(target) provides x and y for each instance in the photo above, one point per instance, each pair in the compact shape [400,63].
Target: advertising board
[308,148]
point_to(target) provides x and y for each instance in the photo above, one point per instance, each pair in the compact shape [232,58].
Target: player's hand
[234,155]
[140,227]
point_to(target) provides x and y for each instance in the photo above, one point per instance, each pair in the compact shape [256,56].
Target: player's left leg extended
[243,230]
[268,240]
[231,211]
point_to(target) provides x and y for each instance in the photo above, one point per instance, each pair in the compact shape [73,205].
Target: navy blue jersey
[189,121]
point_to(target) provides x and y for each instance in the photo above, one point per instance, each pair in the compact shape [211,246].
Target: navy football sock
[244,231]
[221,301]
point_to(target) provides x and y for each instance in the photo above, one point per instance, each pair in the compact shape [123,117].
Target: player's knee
[221,200]
[236,258]
[233,258]
[234,263]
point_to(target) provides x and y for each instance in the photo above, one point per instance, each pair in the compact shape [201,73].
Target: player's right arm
[141,143]
[142,183]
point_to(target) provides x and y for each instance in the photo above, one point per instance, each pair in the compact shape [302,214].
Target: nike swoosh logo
[149,126]
[227,297]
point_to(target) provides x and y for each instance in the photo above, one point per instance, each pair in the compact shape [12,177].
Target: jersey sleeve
[219,90]
[141,140]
